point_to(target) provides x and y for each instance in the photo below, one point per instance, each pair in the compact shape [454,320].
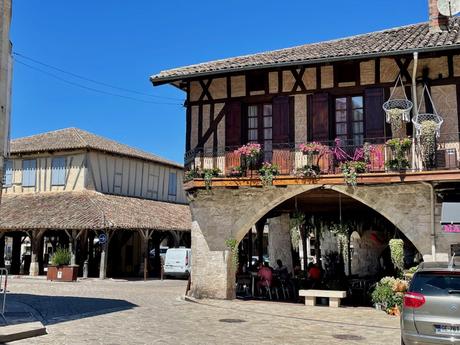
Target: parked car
[431,308]
[178,262]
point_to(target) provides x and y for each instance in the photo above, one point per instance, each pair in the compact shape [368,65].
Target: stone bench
[334,296]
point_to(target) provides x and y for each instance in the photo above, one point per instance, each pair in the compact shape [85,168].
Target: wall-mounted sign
[451,228]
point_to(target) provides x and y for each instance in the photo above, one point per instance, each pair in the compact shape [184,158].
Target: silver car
[431,310]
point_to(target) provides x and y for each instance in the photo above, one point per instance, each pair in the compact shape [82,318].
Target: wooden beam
[403,65]
[205,89]
[298,79]
[212,126]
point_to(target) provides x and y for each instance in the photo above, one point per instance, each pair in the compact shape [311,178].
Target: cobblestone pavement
[153,312]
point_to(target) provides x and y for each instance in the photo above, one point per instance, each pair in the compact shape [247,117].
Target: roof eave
[156,81]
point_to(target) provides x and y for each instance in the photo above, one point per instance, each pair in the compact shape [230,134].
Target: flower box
[65,273]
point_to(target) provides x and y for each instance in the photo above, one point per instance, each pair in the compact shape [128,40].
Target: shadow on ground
[54,309]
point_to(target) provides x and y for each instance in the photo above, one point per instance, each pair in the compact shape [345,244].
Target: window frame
[53,170]
[172,185]
[23,181]
[6,174]
[350,121]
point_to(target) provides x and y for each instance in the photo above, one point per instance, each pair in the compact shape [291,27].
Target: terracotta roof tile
[89,210]
[397,40]
[75,138]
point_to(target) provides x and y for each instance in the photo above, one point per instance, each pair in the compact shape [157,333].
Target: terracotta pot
[62,273]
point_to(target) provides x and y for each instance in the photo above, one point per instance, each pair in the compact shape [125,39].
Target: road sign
[102,238]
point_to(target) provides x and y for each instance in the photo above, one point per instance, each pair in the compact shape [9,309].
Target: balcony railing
[375,155]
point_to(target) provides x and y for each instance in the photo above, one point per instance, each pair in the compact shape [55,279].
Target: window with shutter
[233,124]
[58,171]
[172,184]
[373,113]
[29,170]
[349,119]
[8,173]
[318,117]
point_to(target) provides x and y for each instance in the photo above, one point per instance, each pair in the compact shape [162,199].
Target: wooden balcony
[376,155]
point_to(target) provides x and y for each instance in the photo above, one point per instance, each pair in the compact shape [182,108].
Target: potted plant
[267,173]
[250,154]
[60,268]
[235,171]
[399,150]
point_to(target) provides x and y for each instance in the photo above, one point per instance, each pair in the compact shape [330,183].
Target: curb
[21,331]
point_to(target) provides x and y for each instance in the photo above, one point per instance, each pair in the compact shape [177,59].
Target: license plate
[447,329]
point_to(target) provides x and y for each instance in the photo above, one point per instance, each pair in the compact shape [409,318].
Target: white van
[178,262]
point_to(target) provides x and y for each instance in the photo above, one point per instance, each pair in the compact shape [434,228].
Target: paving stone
[136,312]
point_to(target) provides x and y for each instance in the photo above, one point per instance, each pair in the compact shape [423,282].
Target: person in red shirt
[265,275]
[314,273]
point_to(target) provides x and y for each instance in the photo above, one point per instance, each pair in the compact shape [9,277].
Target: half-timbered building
[330,93]
[66,187]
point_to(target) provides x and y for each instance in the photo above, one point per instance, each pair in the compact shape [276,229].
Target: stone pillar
[279,241]
[213,275]
[16,254]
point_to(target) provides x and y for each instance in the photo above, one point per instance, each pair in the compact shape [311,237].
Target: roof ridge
[76,130]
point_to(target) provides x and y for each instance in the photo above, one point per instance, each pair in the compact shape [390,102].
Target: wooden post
[35,238]
[16,254]
[250,247]
[260,239]
[145,236]
[2,249]
[104,256]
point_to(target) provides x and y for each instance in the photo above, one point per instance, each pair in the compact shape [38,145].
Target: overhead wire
[75,75]
[90,88]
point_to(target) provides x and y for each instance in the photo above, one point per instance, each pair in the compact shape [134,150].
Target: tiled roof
[387,42]
[75,138]
[89,210]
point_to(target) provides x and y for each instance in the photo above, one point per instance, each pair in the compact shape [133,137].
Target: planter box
[62,273]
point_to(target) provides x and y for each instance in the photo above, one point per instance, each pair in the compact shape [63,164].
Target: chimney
[438,22]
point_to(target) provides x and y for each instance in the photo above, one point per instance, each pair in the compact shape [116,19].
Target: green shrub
[61,257]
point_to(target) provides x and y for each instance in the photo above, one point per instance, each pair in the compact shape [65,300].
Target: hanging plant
[397,253]
[232,244]
[267,173]
[398,109]
[350,171]
[428,142]
[395,116]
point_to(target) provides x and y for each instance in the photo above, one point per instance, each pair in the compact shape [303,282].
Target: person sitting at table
[282,270]
[265,275]
[314,274]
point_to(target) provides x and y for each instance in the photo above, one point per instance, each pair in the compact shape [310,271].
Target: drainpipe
[433,229]
[415,106]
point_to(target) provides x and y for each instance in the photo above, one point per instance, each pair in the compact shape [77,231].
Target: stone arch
[407,207]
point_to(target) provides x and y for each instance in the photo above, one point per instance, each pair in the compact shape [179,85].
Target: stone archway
[229,213]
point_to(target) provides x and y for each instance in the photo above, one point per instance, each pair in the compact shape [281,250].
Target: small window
[29,170]
[8,173]
[346,72]
[172,186]
[58,171]
[257,81]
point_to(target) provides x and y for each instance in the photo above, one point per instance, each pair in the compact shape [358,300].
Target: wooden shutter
[318,117]
[233,132]
[281,121]
[374,116]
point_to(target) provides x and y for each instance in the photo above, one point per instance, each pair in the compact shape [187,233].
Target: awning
[450,213]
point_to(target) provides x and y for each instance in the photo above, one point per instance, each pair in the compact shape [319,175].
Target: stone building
[6,71]
[66,187]
[314,94]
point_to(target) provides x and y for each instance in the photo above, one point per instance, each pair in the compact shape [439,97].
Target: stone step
[21,331]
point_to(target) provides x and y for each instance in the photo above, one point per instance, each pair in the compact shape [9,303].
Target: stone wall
[221,214]
[279,241]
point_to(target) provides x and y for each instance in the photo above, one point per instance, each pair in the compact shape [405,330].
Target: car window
[436,283]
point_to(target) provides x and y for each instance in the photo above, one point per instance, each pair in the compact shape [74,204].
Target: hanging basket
[395,104]
[419,119]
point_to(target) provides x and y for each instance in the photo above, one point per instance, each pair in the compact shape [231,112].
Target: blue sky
[122,43]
